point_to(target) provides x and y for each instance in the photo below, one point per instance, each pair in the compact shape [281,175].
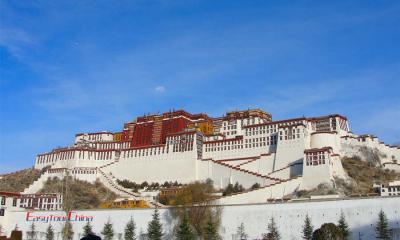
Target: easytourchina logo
[71,216]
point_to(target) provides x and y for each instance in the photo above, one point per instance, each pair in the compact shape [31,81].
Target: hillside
[18,181]
[363,175]
[82,194]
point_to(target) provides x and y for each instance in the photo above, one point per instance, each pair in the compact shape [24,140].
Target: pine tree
[382,231]
[130,230]
[67,232]
[87,229]
[211,231]
[31,234]
[273,233]
[108,231]
[154,229]
[343,227]
[50,233]
[184,231]
[241,232]
[307,229]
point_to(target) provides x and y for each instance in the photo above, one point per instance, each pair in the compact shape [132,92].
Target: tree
[184,231]
[154,229]
[381,229]
[273,233]
[307,229]
[228,190]
[211,231]
[255,186]
[50,233]
[238,188]
[87,229]
[32,234]
[144,184]
[343,227]
[130,230]
[67,232]
[328,231]
[108,231]
[198,195]
[241,233]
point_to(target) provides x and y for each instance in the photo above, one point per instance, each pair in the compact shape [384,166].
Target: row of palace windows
[214,148]
[315,159]
[184,146]
[286,137]
[112,145]
[145,152]
[255,131]
[261,139]
[97,155]
[3,201]
[84,172]
[230,127]
[95,137]
[55,156]
[267,128]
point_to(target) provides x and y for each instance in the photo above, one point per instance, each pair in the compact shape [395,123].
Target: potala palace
[243,146]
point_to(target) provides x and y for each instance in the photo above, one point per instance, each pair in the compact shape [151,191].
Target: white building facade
[247,147]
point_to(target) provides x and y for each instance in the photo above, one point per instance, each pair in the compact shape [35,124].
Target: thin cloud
[159,89]
[15,41]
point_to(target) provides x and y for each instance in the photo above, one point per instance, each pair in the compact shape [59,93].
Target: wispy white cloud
[16,41]
[159,89]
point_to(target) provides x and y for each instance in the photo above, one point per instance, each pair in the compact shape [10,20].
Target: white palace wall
[169,167]
[316,175]
[222,175]
[361,215]
[263,165]
[289,152]
[328,139]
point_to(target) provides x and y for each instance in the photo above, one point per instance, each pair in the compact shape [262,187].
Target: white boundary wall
[361,215]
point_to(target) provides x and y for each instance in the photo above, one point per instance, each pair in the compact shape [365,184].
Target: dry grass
[364,175]
[322,189]
[18,181]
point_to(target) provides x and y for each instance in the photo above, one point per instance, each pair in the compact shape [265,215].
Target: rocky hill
[18,181]
[81,194]
[363,175]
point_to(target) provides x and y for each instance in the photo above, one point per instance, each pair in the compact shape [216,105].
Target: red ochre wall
[173,126]
[143,134]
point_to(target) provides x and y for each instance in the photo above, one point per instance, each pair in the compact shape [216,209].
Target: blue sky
[81,66]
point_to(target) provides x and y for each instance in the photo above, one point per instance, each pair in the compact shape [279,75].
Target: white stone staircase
[110,182]
[263,194]
[37,184]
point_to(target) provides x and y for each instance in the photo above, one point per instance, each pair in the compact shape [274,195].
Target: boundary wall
[361,215]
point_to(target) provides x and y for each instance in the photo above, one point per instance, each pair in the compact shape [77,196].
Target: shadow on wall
[297,168]
[367,232]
